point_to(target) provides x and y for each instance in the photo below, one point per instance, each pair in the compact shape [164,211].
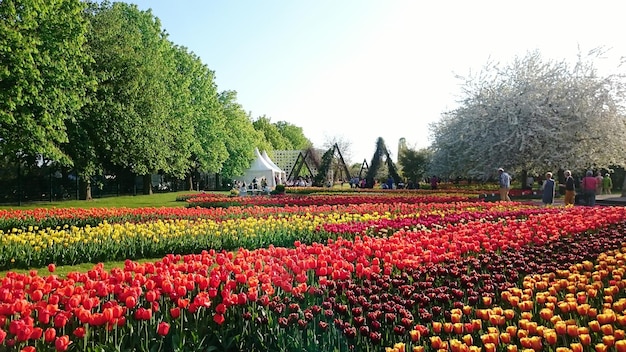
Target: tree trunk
[190,179]
[147,184]
[524,179]
[624,188]
[88,190]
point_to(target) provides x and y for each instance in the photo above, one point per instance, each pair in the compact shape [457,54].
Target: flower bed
[458,277]
[229,229]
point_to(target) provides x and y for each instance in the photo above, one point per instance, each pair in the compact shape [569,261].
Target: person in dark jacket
[548,188]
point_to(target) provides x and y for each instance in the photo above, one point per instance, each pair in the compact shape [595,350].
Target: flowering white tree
[533,116]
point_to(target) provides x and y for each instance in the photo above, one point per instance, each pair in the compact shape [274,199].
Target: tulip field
[387,271]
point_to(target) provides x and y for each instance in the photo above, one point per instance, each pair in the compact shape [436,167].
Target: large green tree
[415,163]
[42,84]
[132,120]
[272,134]
[241,136]
[294,134]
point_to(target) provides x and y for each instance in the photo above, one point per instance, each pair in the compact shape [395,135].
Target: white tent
[259,169]
[282,175]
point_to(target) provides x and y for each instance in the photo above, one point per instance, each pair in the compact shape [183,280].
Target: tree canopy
[42,83]
[533,115]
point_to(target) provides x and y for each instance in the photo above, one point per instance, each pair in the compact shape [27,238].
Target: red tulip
[52,268]
[62,343]
[49,335]
[79,332]
[163,328]
[175,312]
[218,318]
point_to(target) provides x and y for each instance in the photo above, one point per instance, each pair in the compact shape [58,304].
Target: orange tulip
[490,347]
[601,347]
[619,334]
[583,309]
[477,324]
[541,299]
[509,314]
[555,318]
[526,315]
[455,318]
[585,339]
[563,307]
[435,342]
[551,337]
[437,327]
[511,330]
[511,348]
[505,337]
[608,340]
[594,325]
[576,347]
[455,345]
[607,329]
[525,342]
[457,328]
[560,327]
[572,330]
[620,345]
[415,335]
[546,313]
[621,320]
[468,339]
[418,348]
[447,327]
[521,333]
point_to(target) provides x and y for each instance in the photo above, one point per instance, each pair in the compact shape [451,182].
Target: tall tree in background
[272,134]
[294,135]
[240,138]
[129,118]
[415,163]
[201,148]
[42,84]
[533,115]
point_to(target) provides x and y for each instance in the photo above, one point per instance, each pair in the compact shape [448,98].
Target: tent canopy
[262,167]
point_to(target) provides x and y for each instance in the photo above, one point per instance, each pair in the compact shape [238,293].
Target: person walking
[599,179]
[548,188]
[607,184]
[588,185]
[570,188]
[505,185]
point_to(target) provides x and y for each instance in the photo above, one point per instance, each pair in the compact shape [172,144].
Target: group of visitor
[590,186]
[255,187]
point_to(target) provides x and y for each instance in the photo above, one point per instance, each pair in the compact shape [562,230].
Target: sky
[357,70]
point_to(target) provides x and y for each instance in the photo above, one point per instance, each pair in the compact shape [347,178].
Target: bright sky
[362,69]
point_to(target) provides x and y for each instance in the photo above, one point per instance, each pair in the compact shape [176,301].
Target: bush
[280,189]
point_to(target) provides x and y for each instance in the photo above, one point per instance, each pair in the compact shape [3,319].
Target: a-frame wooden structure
[302,160]
[364,169]
[312,164]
